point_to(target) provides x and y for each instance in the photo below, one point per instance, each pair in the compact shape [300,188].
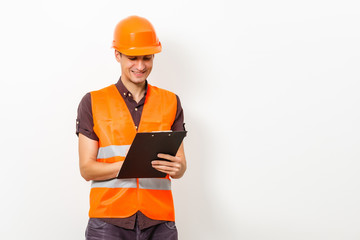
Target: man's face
[135,68]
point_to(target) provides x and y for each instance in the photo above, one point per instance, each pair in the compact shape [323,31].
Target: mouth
[138,73]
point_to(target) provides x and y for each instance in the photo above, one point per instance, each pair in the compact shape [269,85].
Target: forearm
[180,154]
[100,171]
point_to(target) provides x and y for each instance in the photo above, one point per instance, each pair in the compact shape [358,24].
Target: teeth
[137,72]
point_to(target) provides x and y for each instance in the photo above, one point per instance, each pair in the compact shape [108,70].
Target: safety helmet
[135,36]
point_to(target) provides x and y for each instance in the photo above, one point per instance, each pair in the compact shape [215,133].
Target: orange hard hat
[135,36]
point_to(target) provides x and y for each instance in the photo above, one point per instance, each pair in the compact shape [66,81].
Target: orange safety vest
[113,124]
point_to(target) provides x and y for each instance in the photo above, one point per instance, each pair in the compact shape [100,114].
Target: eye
[132,58]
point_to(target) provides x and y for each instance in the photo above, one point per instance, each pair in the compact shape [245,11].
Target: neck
[137,89]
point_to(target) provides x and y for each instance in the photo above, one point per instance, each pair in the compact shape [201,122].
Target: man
[107,122]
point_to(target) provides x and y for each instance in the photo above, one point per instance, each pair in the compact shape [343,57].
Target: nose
[140,65]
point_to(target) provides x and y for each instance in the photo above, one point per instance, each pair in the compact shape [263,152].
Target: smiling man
[107,122]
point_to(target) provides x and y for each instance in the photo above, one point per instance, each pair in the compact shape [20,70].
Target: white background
[270,91]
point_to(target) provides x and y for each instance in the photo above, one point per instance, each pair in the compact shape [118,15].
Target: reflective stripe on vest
[155,183]
[144,183]
[113,151]
[115,183]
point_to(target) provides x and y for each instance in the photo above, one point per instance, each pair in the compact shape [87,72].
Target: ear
[117,56]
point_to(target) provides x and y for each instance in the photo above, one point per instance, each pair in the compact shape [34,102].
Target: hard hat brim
[140,51]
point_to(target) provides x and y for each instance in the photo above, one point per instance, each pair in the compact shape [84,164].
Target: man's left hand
[175,167]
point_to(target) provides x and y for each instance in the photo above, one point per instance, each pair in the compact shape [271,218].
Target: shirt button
[136,127]
[129,94]
[136,109]
[124,94]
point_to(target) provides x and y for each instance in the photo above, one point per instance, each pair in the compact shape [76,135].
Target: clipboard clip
[169,131]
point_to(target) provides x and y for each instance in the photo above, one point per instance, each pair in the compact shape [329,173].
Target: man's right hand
[90,169]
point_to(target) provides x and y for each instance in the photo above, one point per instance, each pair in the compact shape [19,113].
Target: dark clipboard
[145,148]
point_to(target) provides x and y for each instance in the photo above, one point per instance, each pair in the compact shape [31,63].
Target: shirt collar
[123,90]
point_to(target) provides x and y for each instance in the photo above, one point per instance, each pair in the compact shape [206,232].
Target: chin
[138,80]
